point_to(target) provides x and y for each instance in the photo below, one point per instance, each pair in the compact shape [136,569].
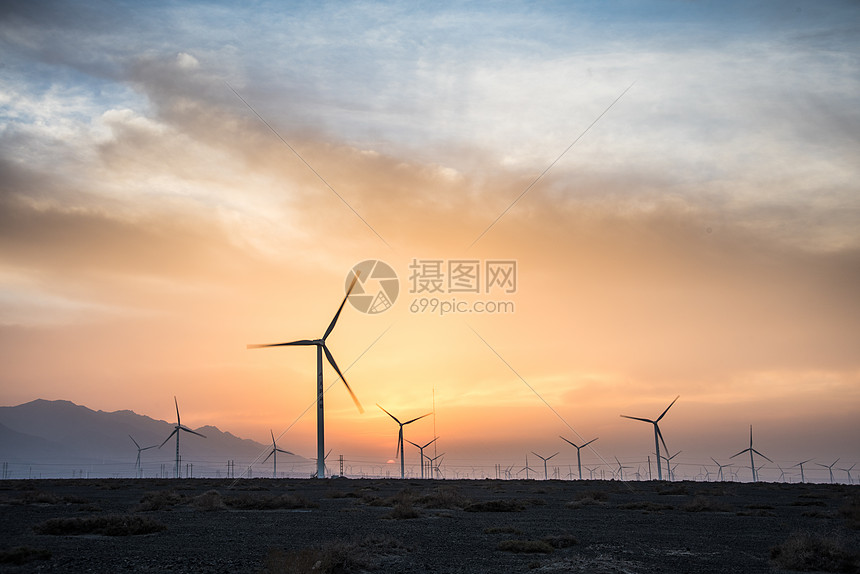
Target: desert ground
[363,525]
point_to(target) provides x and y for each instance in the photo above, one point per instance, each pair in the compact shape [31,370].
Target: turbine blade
[283,451]
[169,437]
[302,342]
[134,441]
[638,419]
[760,454]
[388,413]
[667,408]
[549,457]
[268,457]
[339,309]
[431,442]
[741,452]
[399,443]
[186,429]
[177,410]
[273,438]
[660,434]
[568,442]
[417,418]
[589,442]
[342,378]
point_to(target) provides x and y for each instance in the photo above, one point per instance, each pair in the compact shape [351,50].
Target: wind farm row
[665,464]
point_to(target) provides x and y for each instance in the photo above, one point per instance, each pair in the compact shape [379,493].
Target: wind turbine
[668,460]
[578,448]
[658,436]
[848,471]
[545,473]
[176,429]
[829,467]
[621,469]
[274,452]
[590,472]
[421,451]
[322,349]
[400,438]
[139,450]
[721,466]
[325,466]
[800,464]
[751,451]
[437,466]
[526,468]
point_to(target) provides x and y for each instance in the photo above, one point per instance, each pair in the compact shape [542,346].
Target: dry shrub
[588,498]
[501,505]
[335,557]
[703,504]
[159,500]
[811,552]
[23,554]
[280,502]
[403,511]
[209,501]
[677,490]
[109,525]
[443,497]
[526,546]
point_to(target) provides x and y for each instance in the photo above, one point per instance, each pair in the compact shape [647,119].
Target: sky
[672,188]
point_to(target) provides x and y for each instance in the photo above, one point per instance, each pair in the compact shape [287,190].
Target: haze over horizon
[701,239]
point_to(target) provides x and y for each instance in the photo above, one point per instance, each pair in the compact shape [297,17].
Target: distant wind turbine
[578,448]
[322,349]
[668,460]
[421,451]
[751,451]
[400,438]
[621,469]
[829,467]
[274,453]
[721,467]
[658,436]
[176,429]
[526,468]
[800,464]
[139,450]
[848,472]
[545,473]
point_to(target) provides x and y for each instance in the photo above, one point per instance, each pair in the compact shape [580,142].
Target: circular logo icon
[377,286]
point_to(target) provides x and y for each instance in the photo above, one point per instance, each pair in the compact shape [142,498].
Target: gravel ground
[343,525]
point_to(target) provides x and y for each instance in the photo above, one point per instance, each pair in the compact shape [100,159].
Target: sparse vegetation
[159,500]
[807,552]
[403,511]
[703,504]
[588,498]
[850,511]
[677,490]
[561,540]
[276,502]
[502,530]
[209,501]
[108,525]
[23,555]
[335,557]
[500,505]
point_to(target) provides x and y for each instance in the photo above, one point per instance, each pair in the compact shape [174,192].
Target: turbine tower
[400,438]
[421,451]
[322,349]
[526,468]
[800,464]
[658,436]
[139,450]
[578,448]
[274,452]
[848,472]
[621,469]
[751,451]
[176,429]
[829,467]
[545,473]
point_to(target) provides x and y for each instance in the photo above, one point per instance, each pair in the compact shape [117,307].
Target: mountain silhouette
[60,438]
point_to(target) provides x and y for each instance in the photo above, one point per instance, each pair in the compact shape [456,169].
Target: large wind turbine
[421,451]
[829,467]
[848,472]
[139,450]
[400,438]
[321,348]
[751,451]
[176,429]
[578,448]
[274,452]
[545,473]
[658,436]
